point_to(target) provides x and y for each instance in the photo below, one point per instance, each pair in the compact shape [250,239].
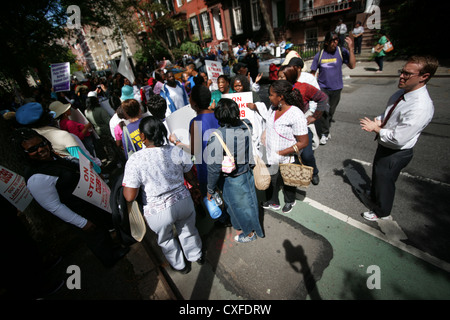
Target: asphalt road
[421,207]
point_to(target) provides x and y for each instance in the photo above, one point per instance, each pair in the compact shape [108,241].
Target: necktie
[389,114]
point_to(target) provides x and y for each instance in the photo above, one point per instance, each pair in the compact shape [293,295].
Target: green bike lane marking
[404,272]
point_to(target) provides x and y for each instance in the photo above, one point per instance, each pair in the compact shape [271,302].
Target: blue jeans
[307,154]
[239,194]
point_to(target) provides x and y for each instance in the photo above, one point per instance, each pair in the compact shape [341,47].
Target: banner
[14,188]
[242,98]
[60,76]
[91,187]
[214,70]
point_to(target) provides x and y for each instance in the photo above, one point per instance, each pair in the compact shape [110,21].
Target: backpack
[321,53]
[120,214]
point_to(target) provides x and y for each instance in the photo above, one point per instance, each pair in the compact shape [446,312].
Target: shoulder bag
[228,163]
[127,136]
[296,175]
[260,171]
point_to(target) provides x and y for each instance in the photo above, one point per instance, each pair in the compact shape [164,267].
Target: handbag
[388,47]
[260,171]
[296,175]
[228,163]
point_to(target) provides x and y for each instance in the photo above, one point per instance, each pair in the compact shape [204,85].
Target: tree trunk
[267,20]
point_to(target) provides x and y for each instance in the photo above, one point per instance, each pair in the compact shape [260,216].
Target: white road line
[405,174]
[378,234]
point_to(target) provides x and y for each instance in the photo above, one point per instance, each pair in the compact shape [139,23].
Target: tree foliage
[29,30]
[414,25]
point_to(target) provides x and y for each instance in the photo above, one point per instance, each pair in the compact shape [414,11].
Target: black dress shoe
[315,180]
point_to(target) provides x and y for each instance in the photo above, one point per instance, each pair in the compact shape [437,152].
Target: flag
[125,67]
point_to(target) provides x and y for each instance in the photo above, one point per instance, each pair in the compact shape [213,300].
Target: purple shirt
[330,68]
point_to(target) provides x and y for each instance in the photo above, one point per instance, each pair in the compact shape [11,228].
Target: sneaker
[201,261]
[323,140]
[242,238]
[288,207]
[185,270]
[371,216]
[271,205]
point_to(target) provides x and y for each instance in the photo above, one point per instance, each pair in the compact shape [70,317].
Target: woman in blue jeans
[238,187]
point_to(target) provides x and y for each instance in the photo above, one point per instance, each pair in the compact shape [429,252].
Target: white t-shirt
[159,172]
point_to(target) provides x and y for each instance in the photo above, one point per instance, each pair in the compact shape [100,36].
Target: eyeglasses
[406,74]
[35,148]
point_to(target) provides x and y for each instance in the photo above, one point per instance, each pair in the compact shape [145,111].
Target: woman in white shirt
[286,131]
[159,170]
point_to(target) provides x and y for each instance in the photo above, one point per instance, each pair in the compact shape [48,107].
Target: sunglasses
[35,148]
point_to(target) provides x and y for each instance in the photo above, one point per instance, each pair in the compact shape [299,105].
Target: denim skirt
[239,195]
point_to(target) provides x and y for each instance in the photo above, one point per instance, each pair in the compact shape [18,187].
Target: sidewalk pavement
[368,69]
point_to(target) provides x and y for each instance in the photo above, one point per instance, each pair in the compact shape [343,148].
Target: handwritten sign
[14,188]
[60,76]
[242,98]
[214,70]
[91,187]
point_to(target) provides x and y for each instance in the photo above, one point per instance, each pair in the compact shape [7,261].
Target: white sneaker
[371,216]
[323,140]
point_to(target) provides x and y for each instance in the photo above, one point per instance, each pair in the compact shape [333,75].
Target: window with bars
[237,16]
[256,15]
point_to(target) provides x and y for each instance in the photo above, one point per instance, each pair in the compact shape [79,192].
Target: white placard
[91,187]
[214,70]
[77,116]
[178,123]
[14,188]
[242,98]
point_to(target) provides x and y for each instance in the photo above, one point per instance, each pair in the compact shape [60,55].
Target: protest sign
[214,70]
[14,188]
[77,116]
[91,187]
[60,76]
[178,123]
[242,98]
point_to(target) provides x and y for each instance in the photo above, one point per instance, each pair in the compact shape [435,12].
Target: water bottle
[213,209]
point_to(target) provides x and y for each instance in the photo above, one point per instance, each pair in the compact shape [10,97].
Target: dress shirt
[409,118]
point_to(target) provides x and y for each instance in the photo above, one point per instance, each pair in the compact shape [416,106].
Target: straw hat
[59,108]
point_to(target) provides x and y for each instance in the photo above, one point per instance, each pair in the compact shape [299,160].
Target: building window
[256,15]
[179,3]
[237,16]
[194,28]
[206,27]
[311,36]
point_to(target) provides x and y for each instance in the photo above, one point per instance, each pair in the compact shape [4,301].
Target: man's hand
[369,125]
